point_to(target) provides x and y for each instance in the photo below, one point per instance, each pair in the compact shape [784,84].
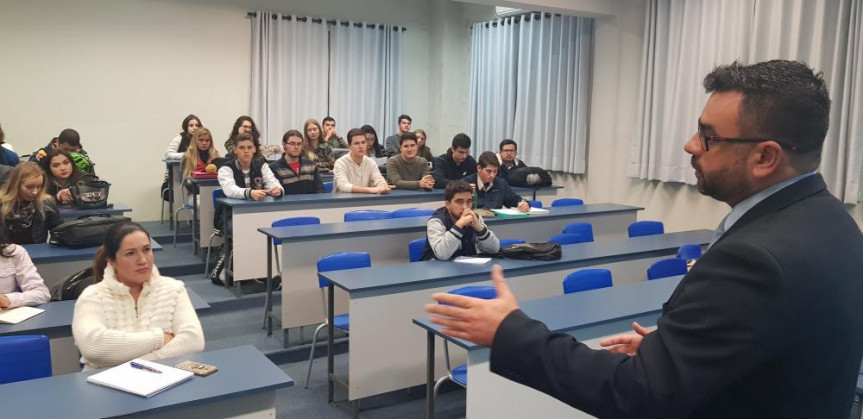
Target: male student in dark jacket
[492,191]
[296,174]
[767,324]
[507,158]
[455,164]
[455,230]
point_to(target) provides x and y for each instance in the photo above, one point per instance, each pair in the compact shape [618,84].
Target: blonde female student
[61,175]
[27,213]
[20,283]
[316,149]
[133,311]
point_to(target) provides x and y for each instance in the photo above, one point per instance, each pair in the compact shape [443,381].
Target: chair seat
[459,374]
[342,321]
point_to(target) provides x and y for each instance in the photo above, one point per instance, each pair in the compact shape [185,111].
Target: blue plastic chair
[689,252]
[412,212]
[534,204]
[415,249]
[586,279]
[217,193]
[565,238]
[328,187]
[24,358]
[366,215]
[335,262]
[645,228]
[507,242]
[666,267]
[566,202]
[458,374]
[585,229]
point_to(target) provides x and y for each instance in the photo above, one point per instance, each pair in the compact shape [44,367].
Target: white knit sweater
[110,329]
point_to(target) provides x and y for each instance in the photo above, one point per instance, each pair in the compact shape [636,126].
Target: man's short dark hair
[785,101]
[246,137]
[407,136]
[405,117]
[291,133]
[69,136]
[461,140]
[327,118]
[507,142]
[353,132]
[487,158]
[455,187]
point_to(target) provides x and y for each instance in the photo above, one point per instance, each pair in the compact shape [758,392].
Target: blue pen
[145,368]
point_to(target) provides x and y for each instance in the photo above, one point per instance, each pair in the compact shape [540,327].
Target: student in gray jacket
[455,230]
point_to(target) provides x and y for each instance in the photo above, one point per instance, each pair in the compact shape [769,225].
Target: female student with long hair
[422,149]
[200,153]
[20,283]
[317,150]
[27,213]
[180,143]
[374,149]
[243,125]
[61,175]
[133,311]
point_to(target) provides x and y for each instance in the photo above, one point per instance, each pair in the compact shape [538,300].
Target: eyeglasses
[706,139]
[508,150]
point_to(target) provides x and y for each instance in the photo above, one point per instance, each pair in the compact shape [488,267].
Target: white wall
[125,73]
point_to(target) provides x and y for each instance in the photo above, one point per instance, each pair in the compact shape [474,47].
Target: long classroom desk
[71,213]
[587,315]
[248,216]
[386,350]
[56,323]
[387,244]
[245,385]
[56,263]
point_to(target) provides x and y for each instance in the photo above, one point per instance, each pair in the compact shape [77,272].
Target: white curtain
[826,34]
[289,73]
[365,76]
[530,81]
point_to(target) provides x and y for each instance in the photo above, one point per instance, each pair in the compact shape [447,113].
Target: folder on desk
[18,314]
[138,381]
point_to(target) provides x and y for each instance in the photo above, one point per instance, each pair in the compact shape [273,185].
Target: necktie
[720,230]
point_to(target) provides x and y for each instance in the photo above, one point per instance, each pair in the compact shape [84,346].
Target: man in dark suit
[767,324]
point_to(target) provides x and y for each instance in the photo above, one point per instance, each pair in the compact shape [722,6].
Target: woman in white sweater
[133,312]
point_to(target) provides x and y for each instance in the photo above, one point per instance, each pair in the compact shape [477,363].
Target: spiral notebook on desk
[142,382]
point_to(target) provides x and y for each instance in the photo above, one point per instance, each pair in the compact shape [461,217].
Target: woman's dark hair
[376,145]
[2,135]
[188,119]
[111,245]
[236,130]
[52,186]
[185,136]
[5,251]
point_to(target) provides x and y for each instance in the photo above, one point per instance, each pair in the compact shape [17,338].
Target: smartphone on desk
[198,368]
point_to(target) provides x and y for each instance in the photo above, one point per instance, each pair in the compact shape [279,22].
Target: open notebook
[18,314]
[141,382]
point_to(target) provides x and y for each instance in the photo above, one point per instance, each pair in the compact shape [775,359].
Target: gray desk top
[48,253]
[346,199]
[242,371]
[58,317]
[403,225]
[215,182]
[117,208]
[172,163]
[569,312]
[418,275]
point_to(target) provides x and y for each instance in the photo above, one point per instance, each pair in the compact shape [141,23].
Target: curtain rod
[518,18]
[330,22]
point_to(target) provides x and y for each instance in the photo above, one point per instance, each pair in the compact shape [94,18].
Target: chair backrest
[586,279]
[366,215]
[534,204]
[328,187]
[415,249]
[24,358]
[666,267]
[217,193]
[485,292]
[689,252]
[507,242]
[341,261]
[645,228]
[567,238]
[585,229]
[566,202]
[412,212]
[293,221]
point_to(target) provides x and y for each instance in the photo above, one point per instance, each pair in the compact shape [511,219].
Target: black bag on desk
[90,194]
[531,251]
[528,177]
[72,287]
[86,231]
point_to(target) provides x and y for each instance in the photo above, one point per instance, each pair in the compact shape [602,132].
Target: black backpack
[72,287]
[531,251]
[528,177]
[86,231]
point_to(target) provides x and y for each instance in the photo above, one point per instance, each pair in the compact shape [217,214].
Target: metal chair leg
[209,246]
[437,386]
[312,351]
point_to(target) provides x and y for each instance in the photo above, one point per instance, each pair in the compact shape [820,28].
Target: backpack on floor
[72,287]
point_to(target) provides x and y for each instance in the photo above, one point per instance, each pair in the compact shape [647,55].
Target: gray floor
[234,321]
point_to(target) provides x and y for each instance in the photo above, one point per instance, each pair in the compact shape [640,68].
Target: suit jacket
[767,324]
